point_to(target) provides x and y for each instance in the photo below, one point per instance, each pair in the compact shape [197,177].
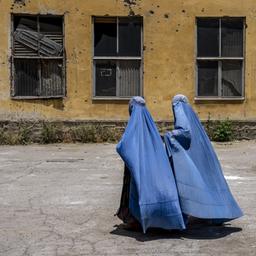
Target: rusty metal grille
[38,59]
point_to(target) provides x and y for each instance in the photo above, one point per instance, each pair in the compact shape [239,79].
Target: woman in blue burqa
[202,188]
[149,194]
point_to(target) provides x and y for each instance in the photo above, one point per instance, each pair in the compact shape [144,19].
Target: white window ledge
[111,98]
[212,99]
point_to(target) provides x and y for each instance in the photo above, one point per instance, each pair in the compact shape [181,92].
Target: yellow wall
[169,40]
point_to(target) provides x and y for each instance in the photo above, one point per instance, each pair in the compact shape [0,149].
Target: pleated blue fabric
[202,188]
[153,199]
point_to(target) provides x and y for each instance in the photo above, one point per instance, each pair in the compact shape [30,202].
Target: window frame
[117,59]
[13,57]
[220,60]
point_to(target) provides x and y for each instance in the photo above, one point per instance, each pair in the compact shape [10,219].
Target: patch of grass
[3,137]
[84,134]
[24,136]
[223,131]
[208,125]
[92,134]
[51,134]
[106,134]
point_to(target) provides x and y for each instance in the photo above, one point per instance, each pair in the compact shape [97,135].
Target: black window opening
[38,59]
[220,57]
[117,57]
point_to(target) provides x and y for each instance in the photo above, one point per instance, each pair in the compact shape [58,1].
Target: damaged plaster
[168,58]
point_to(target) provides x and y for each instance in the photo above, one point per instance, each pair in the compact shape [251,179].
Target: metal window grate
[38,56]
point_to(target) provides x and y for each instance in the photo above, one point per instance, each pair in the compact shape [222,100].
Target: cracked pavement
[61,199]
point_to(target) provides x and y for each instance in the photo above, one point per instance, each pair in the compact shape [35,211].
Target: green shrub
[106,134]
[208,126]
[24,136]
[223,131]
[84,134]
[51,134]
[8,138]
[3,138]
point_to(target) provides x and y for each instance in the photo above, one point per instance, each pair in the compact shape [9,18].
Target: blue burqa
[153,199]
[202,188]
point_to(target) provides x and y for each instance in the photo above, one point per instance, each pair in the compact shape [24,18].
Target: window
[117,57]
[38,67]
[220,57]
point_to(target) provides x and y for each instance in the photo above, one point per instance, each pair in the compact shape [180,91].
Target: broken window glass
[232,78]
[129,36]
[232,37]
[105,78]
[105,37]
[25,22]
[207,78]
[33,42]
[220,60]
[118,40]
[207,37]
[50,25]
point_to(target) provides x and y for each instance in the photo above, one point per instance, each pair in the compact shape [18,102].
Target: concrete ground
[61,199]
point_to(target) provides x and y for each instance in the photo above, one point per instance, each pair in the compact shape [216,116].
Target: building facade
[82,60]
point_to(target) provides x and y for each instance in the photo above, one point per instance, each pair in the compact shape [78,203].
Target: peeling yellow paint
[169,61]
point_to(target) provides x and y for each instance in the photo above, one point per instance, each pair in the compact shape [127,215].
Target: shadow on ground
[198,230]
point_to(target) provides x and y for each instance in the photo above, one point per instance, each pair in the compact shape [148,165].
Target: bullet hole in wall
[23,2]
[166,15]
[129,2]
[131,12]
[151,12]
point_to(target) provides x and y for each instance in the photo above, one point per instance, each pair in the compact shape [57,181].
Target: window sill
[36,97]
[218,100]
[112,98]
